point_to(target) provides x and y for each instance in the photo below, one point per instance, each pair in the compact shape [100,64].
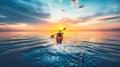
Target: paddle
[52,36]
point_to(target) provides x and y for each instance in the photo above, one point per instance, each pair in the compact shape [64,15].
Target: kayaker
[59,37]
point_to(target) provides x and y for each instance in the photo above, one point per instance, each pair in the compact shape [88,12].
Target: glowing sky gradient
[53,14]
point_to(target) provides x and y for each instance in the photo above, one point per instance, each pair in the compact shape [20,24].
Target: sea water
[79,49]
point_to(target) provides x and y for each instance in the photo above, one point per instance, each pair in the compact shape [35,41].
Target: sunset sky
[56,14]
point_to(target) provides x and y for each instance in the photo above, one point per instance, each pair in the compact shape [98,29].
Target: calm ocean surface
[79,49]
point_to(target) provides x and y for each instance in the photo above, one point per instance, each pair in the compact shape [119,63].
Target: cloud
[80,7]
[74,2]
[110,15]
[25,11]
[69,21]
[63,11]
[2,23]
[91,20]
[110,18]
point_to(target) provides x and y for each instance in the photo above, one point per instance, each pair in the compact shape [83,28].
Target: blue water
[79,49]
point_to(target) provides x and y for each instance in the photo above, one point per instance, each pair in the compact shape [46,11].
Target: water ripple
[43,52]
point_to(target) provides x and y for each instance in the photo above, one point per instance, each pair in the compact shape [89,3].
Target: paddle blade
[52,36]
[64,28]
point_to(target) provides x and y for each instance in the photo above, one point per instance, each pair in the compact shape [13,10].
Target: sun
[59,27]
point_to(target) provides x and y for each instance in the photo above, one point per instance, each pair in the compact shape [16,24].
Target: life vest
[59,34]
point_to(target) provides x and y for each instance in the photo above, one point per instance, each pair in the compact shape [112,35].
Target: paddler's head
[60,31]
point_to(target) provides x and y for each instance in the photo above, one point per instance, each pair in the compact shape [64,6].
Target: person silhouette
[59,37]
